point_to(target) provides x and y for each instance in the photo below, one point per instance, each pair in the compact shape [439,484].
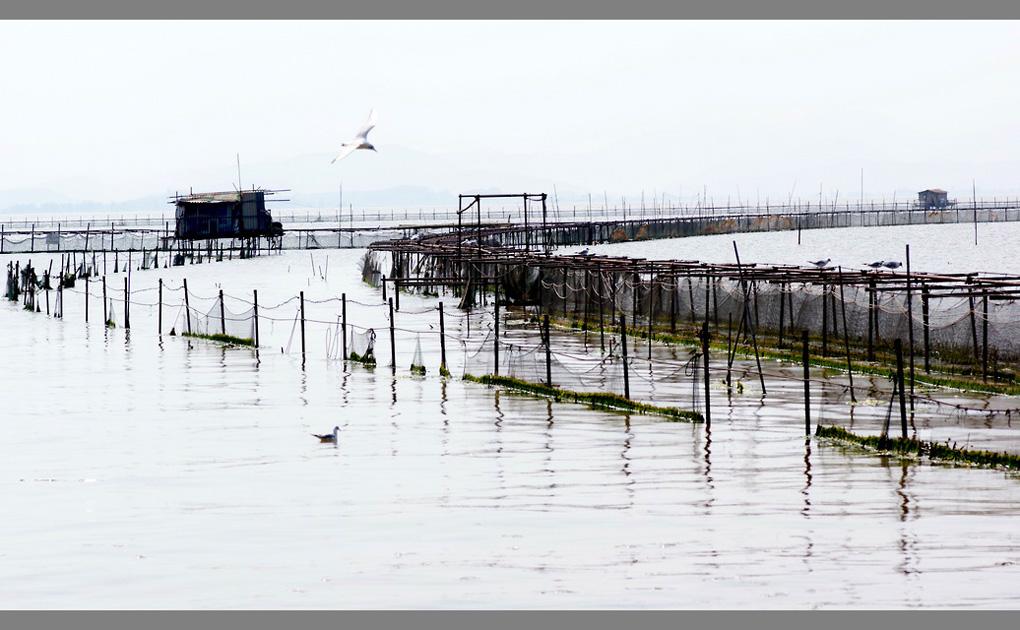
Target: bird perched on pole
[892,264]
[359,141]
[820,263]
[876,264]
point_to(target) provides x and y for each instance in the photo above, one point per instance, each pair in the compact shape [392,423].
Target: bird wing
[369,124]
[347,149]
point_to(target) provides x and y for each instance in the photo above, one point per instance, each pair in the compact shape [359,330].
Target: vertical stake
[548,352]
[127,302]
[925,324]
[495,346]
[223,315]
[704,351]
[393,339]
[623,343]
[255,316]
[187,305]
[159,329]
[846,337]
[898,344]
[807,383]
[302,296]
[442,340]
[984,338]
[910,329]
[343,322]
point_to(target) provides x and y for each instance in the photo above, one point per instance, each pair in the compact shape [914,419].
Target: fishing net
[528,360]
[363,346]
[417,361]
[216,319]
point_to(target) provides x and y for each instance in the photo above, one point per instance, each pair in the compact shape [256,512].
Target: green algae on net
[937,453]
[595,399]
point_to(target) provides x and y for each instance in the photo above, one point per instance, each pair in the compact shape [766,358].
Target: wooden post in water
[623,343]
[302,296]
[187,306]
[106,317]
[825,321]
[973,327]
[393,339]
[343,322]
[255,316]
[925,326]
[548,351]
[747,315]
[807,382]
[159,325]
[846,337]
[900,382]
[86,299]
[442,340]
[708,378]
[602,327]
[984,337]
[223,315]
[127,303]
[384,289]
[495,346]
[782,311]
[872,318]
[910,328]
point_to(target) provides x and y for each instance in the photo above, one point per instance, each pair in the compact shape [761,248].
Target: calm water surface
[142,471]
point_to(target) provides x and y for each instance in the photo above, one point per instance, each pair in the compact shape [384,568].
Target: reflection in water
[549,447]
[807,478]
[707,472]
[500,473]
[631,483]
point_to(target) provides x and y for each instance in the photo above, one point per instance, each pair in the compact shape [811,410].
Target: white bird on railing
[876,264]
[583,252]
[892,264]
[820,263]
[359,141]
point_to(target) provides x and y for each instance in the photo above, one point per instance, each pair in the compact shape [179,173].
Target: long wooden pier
[556,228]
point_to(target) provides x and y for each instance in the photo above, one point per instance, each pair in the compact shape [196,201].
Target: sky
[733,110]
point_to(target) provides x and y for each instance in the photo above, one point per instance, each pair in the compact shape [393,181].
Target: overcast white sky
[737,108]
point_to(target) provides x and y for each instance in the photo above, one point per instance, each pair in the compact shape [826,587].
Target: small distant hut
[235,214]
[933,198]
[239,217]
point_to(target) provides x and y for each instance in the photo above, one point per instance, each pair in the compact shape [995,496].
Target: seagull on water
[892,264]
[359,141]
[820,263]
[329,437]
[583,252]
[876,264]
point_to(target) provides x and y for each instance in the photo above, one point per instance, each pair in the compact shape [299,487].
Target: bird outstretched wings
[360,141]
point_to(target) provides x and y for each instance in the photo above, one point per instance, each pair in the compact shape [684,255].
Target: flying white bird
[359,141]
